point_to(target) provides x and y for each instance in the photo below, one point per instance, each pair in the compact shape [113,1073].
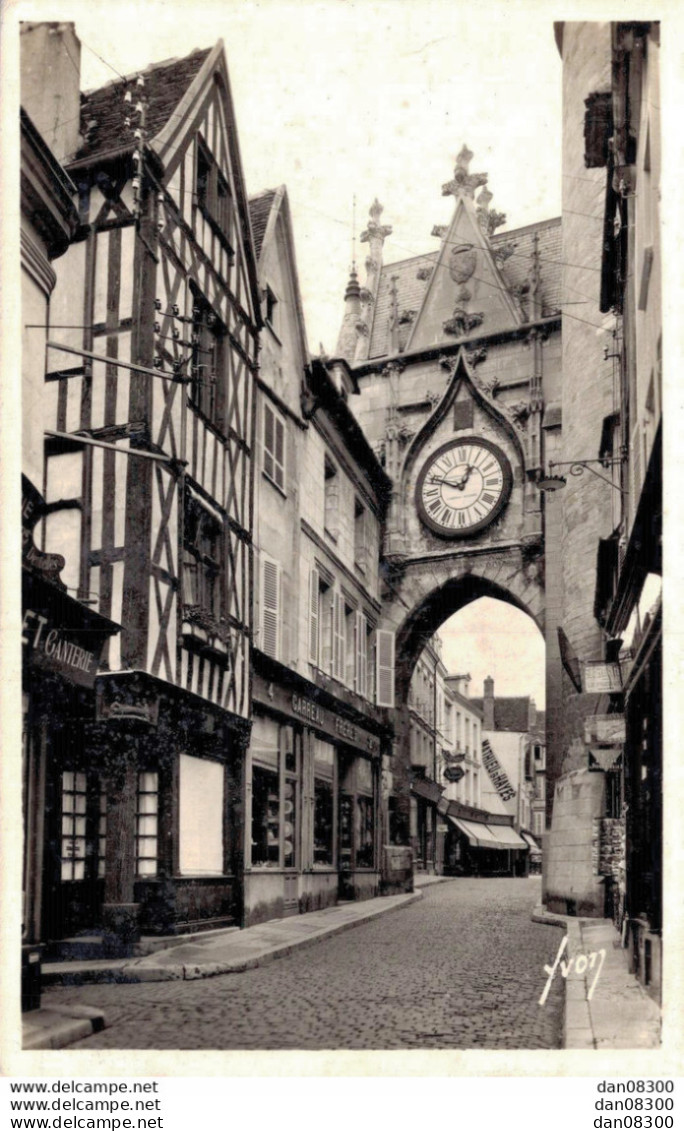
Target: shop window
[202,559]
[274,447]
[73,842]
[147,825]
[270,608]
[201,808]
[357,813]
[331,490]
[275,786]
[324,802]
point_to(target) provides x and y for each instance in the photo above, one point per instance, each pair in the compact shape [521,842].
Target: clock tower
[457,357]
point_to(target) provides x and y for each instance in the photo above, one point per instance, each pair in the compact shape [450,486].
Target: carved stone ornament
[399,432]
[362,329]
[424,273]
[371,265]
[504,251]
[476,356]
[462,262]
[374,229]
[461,322]
[464,183]
[366,296]
[440,230]
[519,412]
[407,316]
[393,369]
[491,388]
[464,295]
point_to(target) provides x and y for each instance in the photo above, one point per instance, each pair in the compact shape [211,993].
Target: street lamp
[553,482]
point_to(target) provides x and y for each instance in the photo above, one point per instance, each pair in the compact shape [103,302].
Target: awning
[507,837]
[534,847]
[479,835]
[427,789]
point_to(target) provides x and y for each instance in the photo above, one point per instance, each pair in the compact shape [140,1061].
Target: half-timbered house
[149,415]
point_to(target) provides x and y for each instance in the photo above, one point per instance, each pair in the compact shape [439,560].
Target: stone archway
[423,595]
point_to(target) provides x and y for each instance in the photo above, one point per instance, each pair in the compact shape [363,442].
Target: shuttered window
[385,668]
[314,616]
[270,607]
[338,637]
[361,673]
[274,447]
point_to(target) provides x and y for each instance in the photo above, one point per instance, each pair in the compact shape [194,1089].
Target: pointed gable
[466,292]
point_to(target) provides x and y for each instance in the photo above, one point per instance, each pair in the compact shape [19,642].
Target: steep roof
[511,713]
[259,211]
[411,289]
[165,85]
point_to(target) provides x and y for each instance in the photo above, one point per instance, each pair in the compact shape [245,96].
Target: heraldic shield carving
[462,263]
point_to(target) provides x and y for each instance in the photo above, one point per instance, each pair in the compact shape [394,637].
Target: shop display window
[324,802]
[201,809]
[357,812]
[275,795]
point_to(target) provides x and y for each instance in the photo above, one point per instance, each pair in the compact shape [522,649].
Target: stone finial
[374,229]
[489,219]
[464,183]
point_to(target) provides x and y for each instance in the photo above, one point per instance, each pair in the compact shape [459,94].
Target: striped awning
[479,835]
[508,837]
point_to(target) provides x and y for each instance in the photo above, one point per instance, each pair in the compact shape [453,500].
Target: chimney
[51,84]
[533,715]
[488,704]
[346,342]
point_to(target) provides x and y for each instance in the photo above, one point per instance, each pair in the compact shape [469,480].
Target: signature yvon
[581,964]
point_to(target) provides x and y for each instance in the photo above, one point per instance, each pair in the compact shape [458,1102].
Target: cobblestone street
[460,968]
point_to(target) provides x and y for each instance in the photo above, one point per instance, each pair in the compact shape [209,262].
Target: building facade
[605,847]
[314,809]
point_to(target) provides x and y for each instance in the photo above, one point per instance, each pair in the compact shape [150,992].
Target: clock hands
[459,484]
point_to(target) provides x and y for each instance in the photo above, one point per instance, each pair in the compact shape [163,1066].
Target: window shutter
[269,421]
[361,682]
[338,637]
[270,607]
[385,668]
[279,457]
[314,616]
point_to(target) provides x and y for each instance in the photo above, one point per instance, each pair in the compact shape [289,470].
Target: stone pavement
[606,1007]
[461,967]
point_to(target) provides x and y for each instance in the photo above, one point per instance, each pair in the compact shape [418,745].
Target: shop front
[312,808]
[62,641]
[481,844]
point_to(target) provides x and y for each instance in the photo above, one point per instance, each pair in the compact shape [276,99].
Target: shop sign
[32,509]
[600,678]
[329,722]
[454,773]
[605,730]
[443,806]
[52,647]
[129,703]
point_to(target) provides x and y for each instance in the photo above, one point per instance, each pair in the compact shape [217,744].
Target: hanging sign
[605,730]
[569,659]
[601,678]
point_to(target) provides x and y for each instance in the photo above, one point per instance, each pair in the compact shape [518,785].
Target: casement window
[363,528]
[269,639]
[275,794]
[203,558]
[274,446]
[147,825]
[384,679]
[331,517]
[207,361]
[212,193]
[324,802]
[323,622]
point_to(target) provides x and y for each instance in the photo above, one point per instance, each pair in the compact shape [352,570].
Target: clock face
[463,487]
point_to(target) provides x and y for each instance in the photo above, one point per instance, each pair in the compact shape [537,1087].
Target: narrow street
[460,968]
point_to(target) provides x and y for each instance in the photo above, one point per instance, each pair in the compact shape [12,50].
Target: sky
[341,100]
